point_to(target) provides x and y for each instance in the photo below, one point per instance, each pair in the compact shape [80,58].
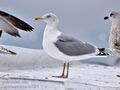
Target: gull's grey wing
[71,46]
[16,21]
[8,27]
[6,51]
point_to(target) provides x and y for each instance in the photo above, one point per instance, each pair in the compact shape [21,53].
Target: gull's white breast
[114,38]
[49,38]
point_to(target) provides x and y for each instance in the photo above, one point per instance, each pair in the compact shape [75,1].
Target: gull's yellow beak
[39,18]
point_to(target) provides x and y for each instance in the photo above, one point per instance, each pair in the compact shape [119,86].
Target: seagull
[10,24]
[6,51]
[114,37]
[63,47]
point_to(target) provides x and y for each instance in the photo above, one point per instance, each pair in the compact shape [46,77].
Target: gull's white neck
[50,27]
[51,31]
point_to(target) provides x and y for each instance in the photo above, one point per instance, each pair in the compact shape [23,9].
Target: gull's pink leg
[63,73]
[67,70]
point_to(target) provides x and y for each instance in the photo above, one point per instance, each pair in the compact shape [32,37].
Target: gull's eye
[111,14]
[48,16]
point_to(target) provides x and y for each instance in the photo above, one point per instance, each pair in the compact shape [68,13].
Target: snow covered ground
[32,69]
[82,77]
[26,59]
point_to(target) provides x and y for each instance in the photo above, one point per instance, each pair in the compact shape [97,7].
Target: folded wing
[73,47]
[8,27]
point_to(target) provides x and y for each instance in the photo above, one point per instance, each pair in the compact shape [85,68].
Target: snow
[26,59]
[32,69]
[86,75]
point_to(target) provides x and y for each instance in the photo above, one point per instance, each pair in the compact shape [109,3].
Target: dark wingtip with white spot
[102,52]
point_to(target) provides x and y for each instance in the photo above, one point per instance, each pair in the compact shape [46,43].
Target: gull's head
[49,18]
[114,17]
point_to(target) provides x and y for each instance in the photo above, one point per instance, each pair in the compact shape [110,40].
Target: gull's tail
[6,51]
[102,52]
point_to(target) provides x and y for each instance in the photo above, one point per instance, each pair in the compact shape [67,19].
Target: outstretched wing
[73,47]
[8,27]
[6,51]
[16,21]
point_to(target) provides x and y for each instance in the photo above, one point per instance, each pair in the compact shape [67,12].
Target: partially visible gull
[62,47]
[10,23]
[6,51]
[114,37]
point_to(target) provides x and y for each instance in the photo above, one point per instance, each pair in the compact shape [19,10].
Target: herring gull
[63,47]
[114,37]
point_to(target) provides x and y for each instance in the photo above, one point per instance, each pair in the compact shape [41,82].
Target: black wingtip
[30,30]
[18,23]
[6,51]
[102,52]
[13,53]
[18,35]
